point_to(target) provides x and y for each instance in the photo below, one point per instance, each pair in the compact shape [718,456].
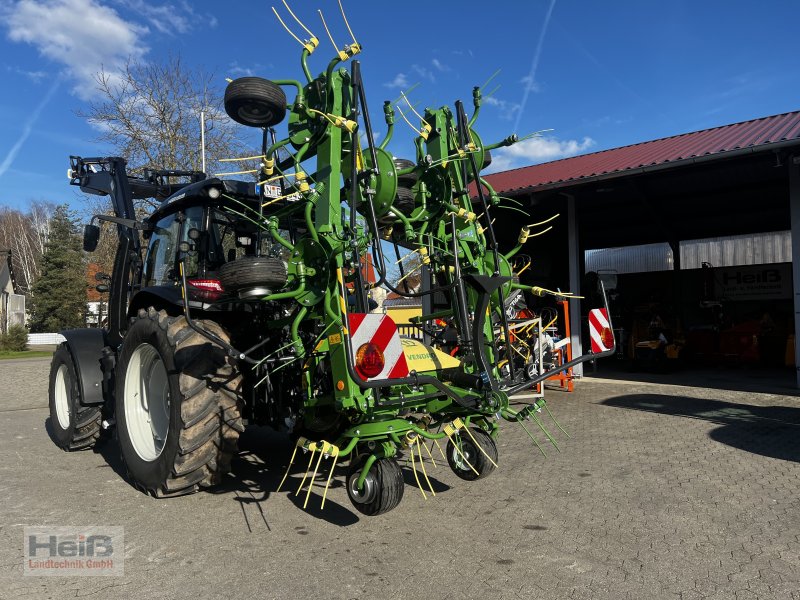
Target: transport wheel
[178,407]
[404,200]
[409,179]
[255,102]
[258,274]
[74,427]
[474,456]
[383,487]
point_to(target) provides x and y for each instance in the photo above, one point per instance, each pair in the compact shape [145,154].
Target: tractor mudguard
[86,347]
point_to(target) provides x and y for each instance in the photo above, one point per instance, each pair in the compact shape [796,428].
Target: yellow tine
[439,446]
[291,461]
[429,453]
[478,446]
[314,476]
[422,464]
[330,475]
[414,468]
[302,483]
[452,441]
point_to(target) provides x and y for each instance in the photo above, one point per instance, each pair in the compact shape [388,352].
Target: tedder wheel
[474,456]
[254,274]
[177,405]
[255,102]
[383,487]
[75,427]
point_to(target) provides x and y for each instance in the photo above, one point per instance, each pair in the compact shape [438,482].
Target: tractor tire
[253,271]
[474,456]
[178,405]
[73,426]
[383,487]
[255,102]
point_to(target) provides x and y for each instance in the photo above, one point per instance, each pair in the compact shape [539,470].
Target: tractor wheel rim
[61,393]
[147,402]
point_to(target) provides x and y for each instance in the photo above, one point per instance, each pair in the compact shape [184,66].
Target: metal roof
[758,135]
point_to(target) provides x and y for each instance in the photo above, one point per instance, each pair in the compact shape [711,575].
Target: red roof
[685,147]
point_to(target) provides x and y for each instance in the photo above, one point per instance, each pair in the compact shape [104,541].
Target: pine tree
[59,295]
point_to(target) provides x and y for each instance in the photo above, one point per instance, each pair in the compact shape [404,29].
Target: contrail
[534,65]
[12,154]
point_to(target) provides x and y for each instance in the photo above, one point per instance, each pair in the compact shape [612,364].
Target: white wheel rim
[61,393]
[146,402]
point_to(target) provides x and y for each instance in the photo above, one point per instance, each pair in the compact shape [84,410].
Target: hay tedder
[249,301]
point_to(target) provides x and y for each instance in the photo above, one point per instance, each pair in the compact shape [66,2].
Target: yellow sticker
[336,338]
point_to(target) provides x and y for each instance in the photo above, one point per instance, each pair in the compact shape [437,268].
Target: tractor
[246,302]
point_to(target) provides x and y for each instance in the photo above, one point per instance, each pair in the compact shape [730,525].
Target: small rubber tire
[255,102]
[408,180]
[383,487]
[204,406]
[404,201]
[487,159]
[253,271]
[476,458]
[73,426]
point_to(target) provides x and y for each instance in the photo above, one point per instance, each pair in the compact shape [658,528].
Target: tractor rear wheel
[178,405]
[383,487]
[74,426]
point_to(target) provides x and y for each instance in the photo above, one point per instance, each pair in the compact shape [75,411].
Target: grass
[4,354]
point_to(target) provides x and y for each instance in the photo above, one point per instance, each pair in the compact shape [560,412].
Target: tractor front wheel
[73,426]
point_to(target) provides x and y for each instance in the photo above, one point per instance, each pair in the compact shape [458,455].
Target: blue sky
[600,74]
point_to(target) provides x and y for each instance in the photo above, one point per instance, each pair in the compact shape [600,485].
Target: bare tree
[150,114]
[26,235]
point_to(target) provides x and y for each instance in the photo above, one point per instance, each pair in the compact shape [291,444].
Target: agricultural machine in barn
[247,302]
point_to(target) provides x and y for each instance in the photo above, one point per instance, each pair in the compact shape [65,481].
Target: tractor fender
[86,347]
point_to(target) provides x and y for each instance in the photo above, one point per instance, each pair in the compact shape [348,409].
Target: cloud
[237,70]
[400,81]
[529,85]
[507,109]
[440,66]
[169,18]
[424,73]
[537,150]
[529,81]
[26,131]
[81,35]
[34,76]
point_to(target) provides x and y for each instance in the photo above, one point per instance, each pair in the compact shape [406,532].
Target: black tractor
[166,380]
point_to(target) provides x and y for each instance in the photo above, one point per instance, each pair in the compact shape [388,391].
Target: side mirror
[102,288]
[91,235]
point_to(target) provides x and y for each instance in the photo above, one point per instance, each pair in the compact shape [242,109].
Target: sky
[597,74]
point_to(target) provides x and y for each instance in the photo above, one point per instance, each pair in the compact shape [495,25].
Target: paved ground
[662,492]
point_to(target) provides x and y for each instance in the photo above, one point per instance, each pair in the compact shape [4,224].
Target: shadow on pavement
[742,379]
[771,431]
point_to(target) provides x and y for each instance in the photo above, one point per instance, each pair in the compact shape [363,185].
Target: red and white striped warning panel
[380,331]
[600,330]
